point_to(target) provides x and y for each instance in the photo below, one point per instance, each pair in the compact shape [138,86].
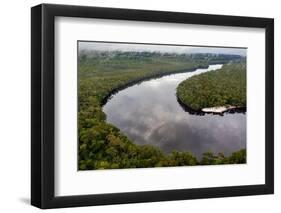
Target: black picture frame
[43,102]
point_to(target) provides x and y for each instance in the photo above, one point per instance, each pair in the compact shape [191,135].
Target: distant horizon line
[162,44]
[187,53]
[111,46]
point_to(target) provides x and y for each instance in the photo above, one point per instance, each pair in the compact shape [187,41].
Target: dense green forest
[102,145]
[223,87]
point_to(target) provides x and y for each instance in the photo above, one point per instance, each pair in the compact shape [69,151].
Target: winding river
[149,113]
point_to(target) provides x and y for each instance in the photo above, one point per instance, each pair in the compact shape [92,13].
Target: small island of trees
[224,87]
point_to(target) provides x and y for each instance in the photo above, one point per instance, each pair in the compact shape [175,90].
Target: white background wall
[15,105]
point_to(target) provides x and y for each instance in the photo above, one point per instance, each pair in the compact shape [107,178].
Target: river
[149,113]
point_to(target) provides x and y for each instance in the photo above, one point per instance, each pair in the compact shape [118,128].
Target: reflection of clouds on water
[148,113]
[199,137]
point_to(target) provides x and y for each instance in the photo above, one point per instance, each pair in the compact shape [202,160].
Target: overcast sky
[103,46]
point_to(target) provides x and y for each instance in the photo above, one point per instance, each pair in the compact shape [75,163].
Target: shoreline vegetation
[146,78]
[215,92]
[104,146]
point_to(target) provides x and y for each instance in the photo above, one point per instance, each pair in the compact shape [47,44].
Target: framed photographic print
[139,106]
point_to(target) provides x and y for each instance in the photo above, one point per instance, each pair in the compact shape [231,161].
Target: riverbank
[146,78]
[212,110]
[224,109]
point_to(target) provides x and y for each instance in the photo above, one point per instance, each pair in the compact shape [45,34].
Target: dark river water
[148,113]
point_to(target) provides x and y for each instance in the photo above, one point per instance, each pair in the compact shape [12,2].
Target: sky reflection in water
[148,113]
